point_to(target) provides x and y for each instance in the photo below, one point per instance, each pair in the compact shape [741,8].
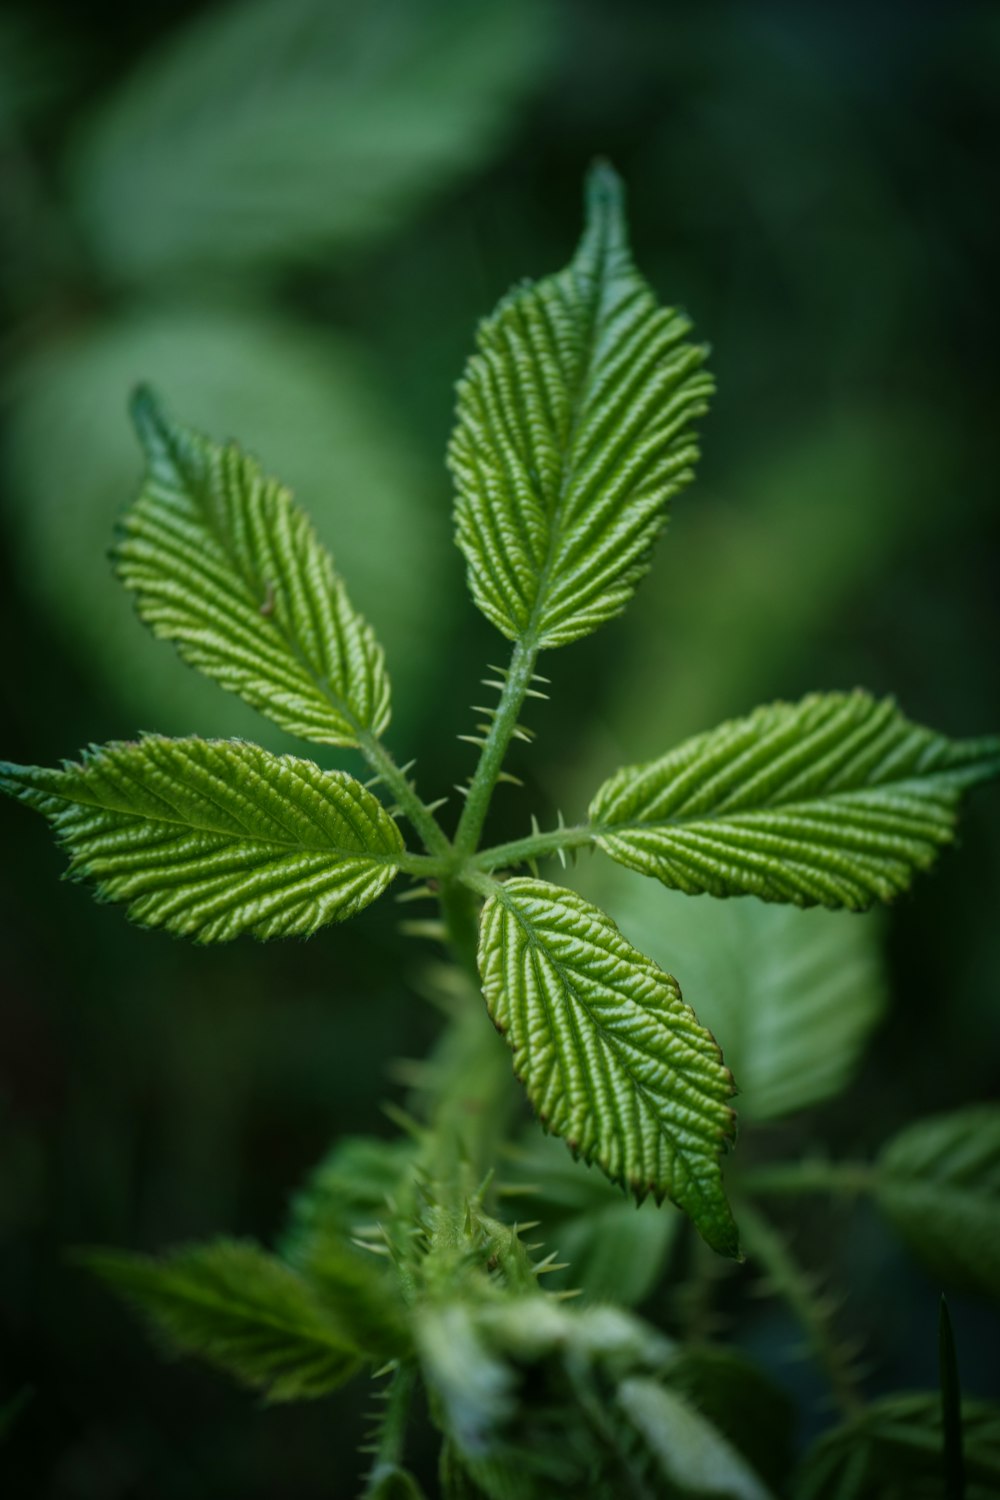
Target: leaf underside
[836,800]
[224,564]
[239,1309]
[939,1183]
[612,1059]
[212,838]
[574,429]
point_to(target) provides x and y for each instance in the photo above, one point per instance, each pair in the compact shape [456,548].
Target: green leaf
[742,1402]
[836,800]
[689,1453]
[895,1451]
[268,132]
[242,1311]
[224,564]
[791,996]
[938,1182]
[611,1057]
[613,1249]
[211,838]
[574,429]
[310,402]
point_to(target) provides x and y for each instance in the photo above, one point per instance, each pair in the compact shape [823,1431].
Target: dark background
[294,244]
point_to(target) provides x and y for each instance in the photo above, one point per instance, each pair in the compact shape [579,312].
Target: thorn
[510,777]
[500,671]
[415,893]
[386,1369]
[534,826]
[533,867]
[520,1229]
[367,1245]
[561,854]
[559,818]
[533,693]
[372,781]
[472,739]
[463,791]
[537,677]
[488,682]
[520,733]
[483,728]
[405,770]
[576,1291]
[433,806]
[482,708]
[544,1268]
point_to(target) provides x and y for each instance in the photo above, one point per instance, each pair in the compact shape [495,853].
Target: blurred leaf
[895,1451]
[240,1309]
[738,1398]
[393,1484]
[213,838]
[612,1059]
[348,1192]
[615,1250]
[229,568]
[791,996]
[573,431]
[276,129]
[690,1455]
[836,800]
[939,1183]
[306,406]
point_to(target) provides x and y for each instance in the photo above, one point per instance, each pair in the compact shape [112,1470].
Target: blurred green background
[288,215]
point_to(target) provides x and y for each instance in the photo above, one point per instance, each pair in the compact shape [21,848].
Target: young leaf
[225,565]
[733,1393]
[691,1456]
[895,1451]
[939,1183]
[611,1057]
[574,429]
[836,800]
[791,996]
[241,1310]
[211,838]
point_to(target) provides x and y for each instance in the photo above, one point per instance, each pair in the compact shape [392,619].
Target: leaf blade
[240,1310]
[835,800]
[573,431]
[225,565]
[611,1057]
[212,838]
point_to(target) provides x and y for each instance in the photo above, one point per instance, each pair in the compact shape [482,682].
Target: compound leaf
[895,1451]
[939,1183]
[836,800]
[242,1311]
[225,565]
[611,1057]
[574,429]
[264,132]
[211,838]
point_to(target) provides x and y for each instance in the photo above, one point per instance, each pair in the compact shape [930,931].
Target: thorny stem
[392,1429]
[535,846]
[423,820]
[790,1281]
[515,689]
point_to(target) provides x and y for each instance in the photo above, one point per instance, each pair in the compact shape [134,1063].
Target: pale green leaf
[277,130]
[836,800]
[574,429]
[613,1249]
[242,1311]
[741,1400]
[938,1181]
[211,838]
[690,1454]
[894,1450]
[308,401]
[791,996]
[611,1057]
[225,565]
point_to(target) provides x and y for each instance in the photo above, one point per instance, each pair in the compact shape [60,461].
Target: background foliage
[813,188]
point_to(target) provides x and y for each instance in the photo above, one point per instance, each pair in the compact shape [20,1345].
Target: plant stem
[848,1177]
[392,1428]
[535,846]
[477,802]
[378,757]
[791,1282]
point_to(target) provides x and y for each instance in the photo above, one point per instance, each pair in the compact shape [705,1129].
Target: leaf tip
[604,209]
[147,415]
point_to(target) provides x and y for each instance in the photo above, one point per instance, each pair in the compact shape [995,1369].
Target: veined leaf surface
[225,564]
[241,1310]
[211,838]
[574,429]
[612,1058]
[836,800]
[939,1183]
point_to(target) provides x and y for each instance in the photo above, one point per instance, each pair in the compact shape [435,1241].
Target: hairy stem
[391,1440]
[378,757]
[795,1285]
[848,1178]
[535,846]
[515,690]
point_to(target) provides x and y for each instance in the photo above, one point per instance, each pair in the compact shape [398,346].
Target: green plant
[575,427]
